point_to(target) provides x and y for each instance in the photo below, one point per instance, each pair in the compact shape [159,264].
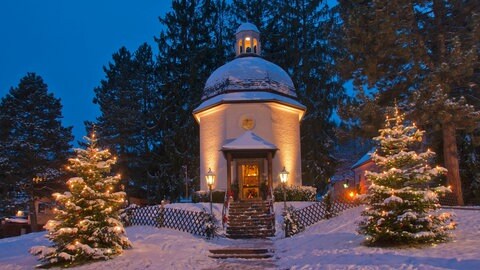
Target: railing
[316,212]
[226,204]
[158,216]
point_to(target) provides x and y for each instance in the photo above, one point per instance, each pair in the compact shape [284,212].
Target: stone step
[248,218]
[250,224]
[250,228]
[248,236]
[253,221]
[240,251]
[258,206]
[241,256]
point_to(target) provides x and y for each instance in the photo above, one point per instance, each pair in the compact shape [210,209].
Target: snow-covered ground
[329,244]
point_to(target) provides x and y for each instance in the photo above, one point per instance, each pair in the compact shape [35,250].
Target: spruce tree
[128,124]
[190,48]
[87,224]
[400,202]
[33,142]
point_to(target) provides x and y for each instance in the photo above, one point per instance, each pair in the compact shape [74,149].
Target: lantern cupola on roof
[247,40]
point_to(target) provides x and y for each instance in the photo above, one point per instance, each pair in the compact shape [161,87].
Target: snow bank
[330,244]
[334,244]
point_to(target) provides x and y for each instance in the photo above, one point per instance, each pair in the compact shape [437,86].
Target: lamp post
[283,179]
[210,178]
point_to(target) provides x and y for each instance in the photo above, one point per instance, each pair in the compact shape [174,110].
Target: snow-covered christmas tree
[87,225]
[401,206]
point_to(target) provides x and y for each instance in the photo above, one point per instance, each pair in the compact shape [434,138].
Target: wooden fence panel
[158,216]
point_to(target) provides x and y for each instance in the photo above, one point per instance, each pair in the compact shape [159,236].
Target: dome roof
[246,27]
[249,74]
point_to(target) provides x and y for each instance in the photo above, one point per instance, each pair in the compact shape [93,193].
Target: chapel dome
[248,71]
[247,27]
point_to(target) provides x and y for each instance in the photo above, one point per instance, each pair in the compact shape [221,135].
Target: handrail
[226,202]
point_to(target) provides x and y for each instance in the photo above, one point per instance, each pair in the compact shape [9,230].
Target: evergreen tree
[127,98]
[424,54]
[87,225]
[120,105]
[190,48]
[400,204]
[33,142]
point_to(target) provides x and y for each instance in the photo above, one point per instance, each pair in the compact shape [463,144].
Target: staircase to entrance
[250,219]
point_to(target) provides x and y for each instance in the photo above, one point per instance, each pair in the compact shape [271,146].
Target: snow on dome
[247,27]
[249,73]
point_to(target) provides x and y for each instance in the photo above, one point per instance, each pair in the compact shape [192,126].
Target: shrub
[296,193]
[291,224]
[218,196]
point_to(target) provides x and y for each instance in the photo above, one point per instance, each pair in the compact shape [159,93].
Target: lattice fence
[318,211]
[183,220]
[448,199]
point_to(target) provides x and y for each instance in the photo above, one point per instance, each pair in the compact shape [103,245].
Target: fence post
[161,217]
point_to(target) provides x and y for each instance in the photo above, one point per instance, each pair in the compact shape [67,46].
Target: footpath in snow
[329,244]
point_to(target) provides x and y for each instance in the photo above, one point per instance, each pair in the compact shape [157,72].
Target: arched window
[240,47]
[248,45]
[255,45]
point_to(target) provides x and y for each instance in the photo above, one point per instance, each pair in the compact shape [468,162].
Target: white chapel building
[249,122]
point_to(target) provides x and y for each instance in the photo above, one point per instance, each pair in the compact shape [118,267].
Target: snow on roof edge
[243,96]
[363,159]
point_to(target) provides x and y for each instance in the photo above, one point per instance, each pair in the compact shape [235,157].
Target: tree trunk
[450,155]
[33,215]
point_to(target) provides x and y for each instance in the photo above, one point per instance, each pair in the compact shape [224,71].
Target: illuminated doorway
[250,173]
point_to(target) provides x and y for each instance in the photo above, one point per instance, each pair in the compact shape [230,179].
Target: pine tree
[128,124]
[87,224]
[400,204]
[33,142]
[422,53]
[190,49]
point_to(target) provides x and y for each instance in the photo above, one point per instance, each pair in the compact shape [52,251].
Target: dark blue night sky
[68,43]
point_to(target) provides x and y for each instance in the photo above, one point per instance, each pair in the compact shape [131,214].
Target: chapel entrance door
[249,175]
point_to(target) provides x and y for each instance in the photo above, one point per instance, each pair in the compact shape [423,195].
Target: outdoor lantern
[284,175]
[283,179]
[210,178]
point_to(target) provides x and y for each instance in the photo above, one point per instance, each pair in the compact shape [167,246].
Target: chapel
[249,120]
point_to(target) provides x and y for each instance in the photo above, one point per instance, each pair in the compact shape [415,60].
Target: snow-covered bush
[296,193]
[291,225]
[211,227]
[87,224]
[401,207]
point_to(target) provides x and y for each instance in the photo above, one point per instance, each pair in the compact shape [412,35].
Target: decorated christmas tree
[401,204]
[87,225]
